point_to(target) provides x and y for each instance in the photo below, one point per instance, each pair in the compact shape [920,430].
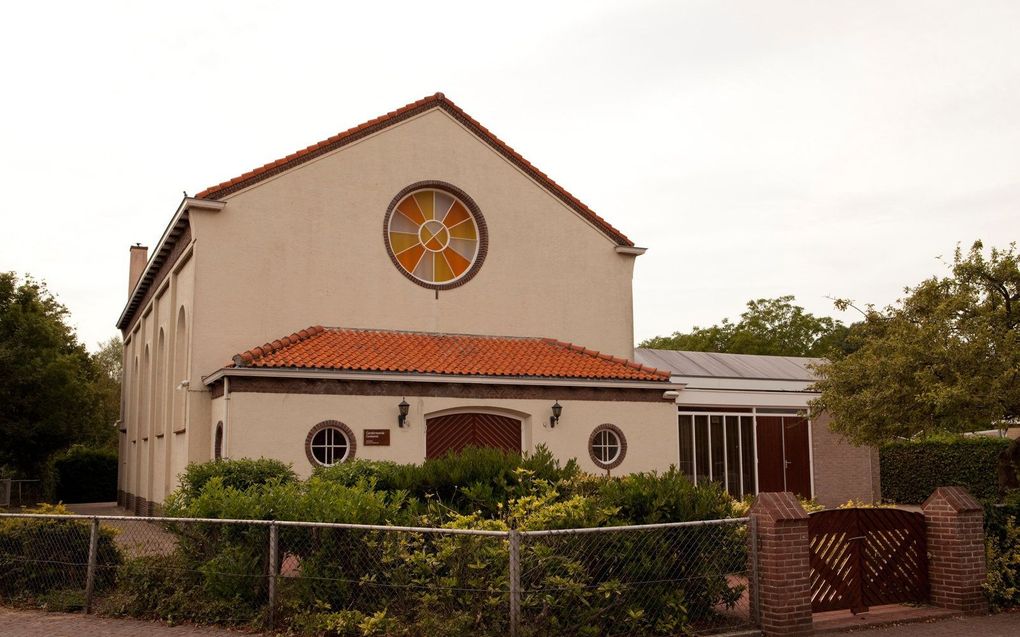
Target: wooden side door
[454,432]
[784,461]
[770,454]
[797,456]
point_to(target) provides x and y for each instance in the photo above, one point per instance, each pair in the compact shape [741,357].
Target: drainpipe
[226,414]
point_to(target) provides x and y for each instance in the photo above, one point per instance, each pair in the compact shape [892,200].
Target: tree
[945,358]
[109,360]
[769,326]
[48,380]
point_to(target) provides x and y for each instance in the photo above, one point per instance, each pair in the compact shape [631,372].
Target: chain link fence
[662,579]
[19,493]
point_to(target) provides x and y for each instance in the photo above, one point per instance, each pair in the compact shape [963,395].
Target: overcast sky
[755,148]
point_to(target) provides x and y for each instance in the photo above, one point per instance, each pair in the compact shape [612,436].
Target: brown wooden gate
[867,557]
[446,434]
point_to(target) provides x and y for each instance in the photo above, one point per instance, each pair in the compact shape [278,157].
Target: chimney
[139,256]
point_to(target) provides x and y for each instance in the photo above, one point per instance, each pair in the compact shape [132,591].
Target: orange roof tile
[448,354]
[414,108]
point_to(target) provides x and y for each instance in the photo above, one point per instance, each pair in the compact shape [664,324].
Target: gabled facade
[324,237]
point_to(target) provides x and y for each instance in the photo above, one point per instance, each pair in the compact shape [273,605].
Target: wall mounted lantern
[404,409]
[557,409]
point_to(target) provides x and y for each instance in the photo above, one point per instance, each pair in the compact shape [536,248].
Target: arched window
[158,406]
[144,422]
[136,382]
[218,445]
[180,368]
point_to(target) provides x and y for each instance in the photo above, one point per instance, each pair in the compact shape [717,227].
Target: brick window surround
[352,445]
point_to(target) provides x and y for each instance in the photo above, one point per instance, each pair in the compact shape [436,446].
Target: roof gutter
[631,250]
[269,372]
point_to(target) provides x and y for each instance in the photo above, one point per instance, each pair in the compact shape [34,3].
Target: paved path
[31,623]
[1004,625]
[134,537]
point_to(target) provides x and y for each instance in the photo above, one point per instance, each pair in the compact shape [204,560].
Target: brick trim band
[343,387]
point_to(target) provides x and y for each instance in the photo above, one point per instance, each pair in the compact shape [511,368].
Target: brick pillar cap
[778,506]
[956,497]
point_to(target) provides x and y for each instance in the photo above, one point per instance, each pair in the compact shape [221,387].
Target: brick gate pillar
[954,522]
[782,588]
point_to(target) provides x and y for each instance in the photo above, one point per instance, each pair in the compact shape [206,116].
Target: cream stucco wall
[307,247]
[276,425]
[155,413]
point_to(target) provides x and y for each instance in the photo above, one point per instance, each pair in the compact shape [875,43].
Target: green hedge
[358,583]
[912,470]
[40,556]
[82,474]
[242,474]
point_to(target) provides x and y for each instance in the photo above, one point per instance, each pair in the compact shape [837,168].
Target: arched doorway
[454,432]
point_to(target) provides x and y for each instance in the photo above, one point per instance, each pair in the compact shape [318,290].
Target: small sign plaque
[377,437]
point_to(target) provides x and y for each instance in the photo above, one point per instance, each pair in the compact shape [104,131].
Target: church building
[410,287]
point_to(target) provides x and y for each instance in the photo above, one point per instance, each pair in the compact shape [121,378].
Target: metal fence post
[755,592]
[274,561]
[90,573]
[515,582]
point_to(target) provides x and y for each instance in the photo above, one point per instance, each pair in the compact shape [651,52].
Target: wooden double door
[784,456]
[454,432]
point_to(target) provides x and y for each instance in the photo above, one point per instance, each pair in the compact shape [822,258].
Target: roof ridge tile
[246,358]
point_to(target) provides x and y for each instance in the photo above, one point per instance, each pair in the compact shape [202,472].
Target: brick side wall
[783,591]
[954,522]
[842,471]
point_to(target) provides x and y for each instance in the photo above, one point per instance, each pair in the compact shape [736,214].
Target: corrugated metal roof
[714,365]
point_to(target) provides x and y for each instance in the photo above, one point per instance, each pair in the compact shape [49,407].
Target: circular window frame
[618,460]
[352,444]
[479,219]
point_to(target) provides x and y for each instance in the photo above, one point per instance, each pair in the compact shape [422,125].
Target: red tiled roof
[448,354]
[372,126]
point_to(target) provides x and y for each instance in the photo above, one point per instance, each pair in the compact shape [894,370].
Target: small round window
[435,235]
[330,442]
[607,446]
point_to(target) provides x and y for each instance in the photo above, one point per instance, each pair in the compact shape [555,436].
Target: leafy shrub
[223,566]
[313,500]
[1003,553]
[445,584]
[651,498]
[239,474]
[474,479]
[912,470]
[166,588]
[81,474]
[344,581]
[39,556]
